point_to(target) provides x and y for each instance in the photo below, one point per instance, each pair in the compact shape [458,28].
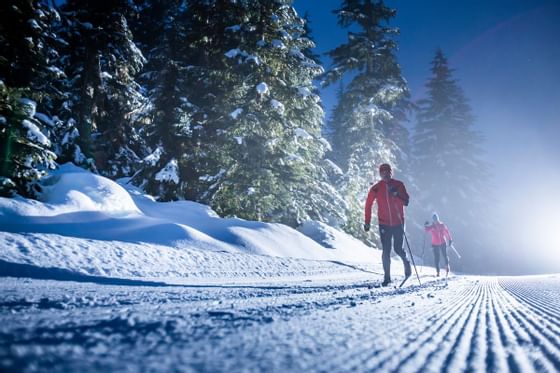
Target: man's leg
[398,234]
[436,258]
[385,234]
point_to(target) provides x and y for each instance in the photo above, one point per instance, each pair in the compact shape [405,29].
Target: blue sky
[506,55]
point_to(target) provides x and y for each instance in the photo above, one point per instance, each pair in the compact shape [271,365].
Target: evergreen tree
[27,70]
[165,30]
[102,97]
[271,122]
[308,32]
[28,47]
[366,128]
[25,154]
[246,133]
[451,174]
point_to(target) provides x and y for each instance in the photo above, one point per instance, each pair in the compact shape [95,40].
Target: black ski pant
[443,250]
[392,237]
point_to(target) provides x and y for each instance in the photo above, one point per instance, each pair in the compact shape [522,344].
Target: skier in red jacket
[391,198]
[441,238]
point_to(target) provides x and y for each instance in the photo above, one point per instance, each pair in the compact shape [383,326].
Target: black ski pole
[423,252]
[411,257]
[409,250]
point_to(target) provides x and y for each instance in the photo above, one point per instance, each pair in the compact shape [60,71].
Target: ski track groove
[498,335]
[525,296]
[528,315]
[457,359]
[510,336]
[356,358]
[480,324]
[549,340]
[429,339]
[380,356]
[438,358]
[476,359]
[485,327]
[526,338]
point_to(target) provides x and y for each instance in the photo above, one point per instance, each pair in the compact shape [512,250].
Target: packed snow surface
[94,226]
[149,286]
[471,324]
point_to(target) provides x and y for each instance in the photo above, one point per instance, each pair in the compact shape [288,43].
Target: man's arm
[369,204]
[403,195]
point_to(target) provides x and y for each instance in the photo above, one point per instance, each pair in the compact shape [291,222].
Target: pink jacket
[439,233]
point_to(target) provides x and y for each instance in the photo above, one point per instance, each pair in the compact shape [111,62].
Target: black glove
[366,227]
[426,224]
[393,190]
[450,243]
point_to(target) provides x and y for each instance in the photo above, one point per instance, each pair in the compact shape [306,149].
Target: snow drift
[90,224]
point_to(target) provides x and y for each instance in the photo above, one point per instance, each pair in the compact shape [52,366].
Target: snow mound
[88,214]
[344,246]
[79,190]
[71,189]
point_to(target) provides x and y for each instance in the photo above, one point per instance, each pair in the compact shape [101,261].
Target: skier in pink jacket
[441,238]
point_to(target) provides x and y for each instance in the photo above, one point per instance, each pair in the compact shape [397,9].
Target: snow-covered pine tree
[366,128]
[184,81]
[25,154]
[308,32]
[332,130]
[451,174]
[103,99]
[165,29]
[28,47]
[29,79]
[267,117]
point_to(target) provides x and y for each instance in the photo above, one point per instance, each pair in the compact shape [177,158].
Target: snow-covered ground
[100,277]
[472,324]
[90,225]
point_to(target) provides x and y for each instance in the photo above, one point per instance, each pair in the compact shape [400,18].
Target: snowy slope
[92,225]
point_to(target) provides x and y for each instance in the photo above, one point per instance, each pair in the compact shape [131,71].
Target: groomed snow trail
[471,324]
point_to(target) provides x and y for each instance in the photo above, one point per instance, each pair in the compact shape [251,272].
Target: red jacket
[440,233]
[390,208]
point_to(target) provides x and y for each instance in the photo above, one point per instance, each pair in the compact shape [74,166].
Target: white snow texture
[89,224]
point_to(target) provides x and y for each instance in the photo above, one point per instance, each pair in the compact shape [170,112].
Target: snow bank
[48,253]
[81,213]
[344,246]
[69,189]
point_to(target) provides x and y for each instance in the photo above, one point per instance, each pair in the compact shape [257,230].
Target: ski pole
[456,252]
[409,250]
[411,256]
[423,252]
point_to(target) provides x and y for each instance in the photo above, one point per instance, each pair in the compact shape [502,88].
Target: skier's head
[385,171]
[435,217]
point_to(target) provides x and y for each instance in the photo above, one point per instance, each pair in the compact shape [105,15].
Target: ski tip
[403,281]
